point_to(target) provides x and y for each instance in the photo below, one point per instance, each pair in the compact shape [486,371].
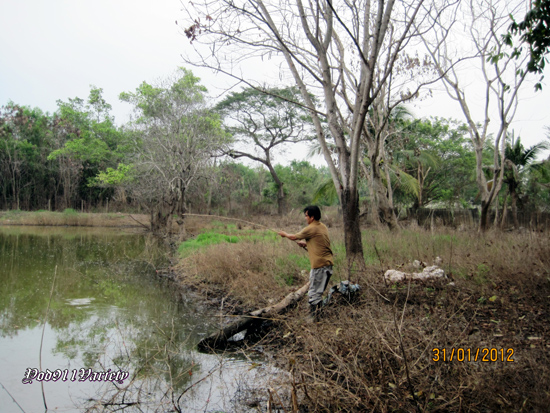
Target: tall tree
[475,38]
[87,141]
[334,51]
[175,134]
[267,121]
[24,138]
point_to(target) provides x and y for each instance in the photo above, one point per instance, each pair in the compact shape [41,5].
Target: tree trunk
[514,196]
[160,218]
[281,201]
[280,190]
[484,216]
[220,339]
[504,212]
[352,229]
[385,209]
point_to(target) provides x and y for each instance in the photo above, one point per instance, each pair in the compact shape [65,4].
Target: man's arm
[287,235]
[292,237]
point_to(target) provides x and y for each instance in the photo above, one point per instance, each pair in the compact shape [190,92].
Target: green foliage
[439,156]
[302,183]
[78,155]
[118,176]
[534,32]
[69,212]
[325,193]
[481,275]
[204,240]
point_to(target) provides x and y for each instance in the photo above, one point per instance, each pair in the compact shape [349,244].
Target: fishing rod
[231,219]
[240,220]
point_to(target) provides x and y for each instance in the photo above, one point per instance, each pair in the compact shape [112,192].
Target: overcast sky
[56,49]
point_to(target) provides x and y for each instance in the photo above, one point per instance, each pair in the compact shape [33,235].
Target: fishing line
[232,219]
[13,398]
[240,220]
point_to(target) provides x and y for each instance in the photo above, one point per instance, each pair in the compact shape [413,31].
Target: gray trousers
[318,281]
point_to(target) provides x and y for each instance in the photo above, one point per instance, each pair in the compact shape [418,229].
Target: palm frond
[326,191]
[407,183]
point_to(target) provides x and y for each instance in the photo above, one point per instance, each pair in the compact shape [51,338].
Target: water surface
[113,334]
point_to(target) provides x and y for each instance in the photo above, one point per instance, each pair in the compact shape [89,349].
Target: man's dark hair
[313,211]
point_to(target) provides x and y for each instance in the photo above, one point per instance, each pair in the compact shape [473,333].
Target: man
[320,255]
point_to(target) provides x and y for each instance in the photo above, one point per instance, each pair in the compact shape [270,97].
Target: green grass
[204,240]
[223,234]
[70,212]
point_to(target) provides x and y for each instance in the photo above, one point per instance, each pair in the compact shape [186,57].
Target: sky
[57,49]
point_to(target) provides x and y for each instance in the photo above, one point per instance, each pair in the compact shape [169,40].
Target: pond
[86,325]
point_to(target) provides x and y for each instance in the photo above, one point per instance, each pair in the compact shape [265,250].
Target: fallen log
[220,339]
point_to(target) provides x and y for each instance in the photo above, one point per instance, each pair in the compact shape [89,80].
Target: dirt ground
[477,340]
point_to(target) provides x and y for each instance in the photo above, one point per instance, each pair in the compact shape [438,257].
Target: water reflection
[107,313]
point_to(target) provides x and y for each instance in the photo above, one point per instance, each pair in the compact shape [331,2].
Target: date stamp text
[485,355]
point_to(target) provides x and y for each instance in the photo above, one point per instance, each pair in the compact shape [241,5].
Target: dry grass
[72,218]
[255,274]
[376,354]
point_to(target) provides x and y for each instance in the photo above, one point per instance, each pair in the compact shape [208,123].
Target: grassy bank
[384,351]
[70,217]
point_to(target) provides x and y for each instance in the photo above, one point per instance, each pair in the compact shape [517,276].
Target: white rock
[428,273]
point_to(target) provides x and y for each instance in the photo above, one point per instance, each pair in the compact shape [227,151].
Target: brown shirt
[318,244]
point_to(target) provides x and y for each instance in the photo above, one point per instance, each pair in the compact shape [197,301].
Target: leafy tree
[537,192]
[303,180]
[534,32]
[24,170]
[261,123]
[174,136]
[88,142]
[238,189]
[438,154]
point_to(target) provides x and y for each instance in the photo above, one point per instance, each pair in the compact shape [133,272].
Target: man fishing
[320,255]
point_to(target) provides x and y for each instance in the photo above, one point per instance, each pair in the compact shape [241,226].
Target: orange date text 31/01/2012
[486,355]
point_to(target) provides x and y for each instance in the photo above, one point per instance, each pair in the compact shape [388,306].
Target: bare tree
[175,135]
[333,51]
[467,48]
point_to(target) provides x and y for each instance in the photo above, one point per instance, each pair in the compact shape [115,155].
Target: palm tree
[517,161]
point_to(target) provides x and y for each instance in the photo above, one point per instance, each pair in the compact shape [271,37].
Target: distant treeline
[79,158]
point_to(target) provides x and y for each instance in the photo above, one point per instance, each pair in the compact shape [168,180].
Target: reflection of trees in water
[162,368]
[105,313]
[102,266]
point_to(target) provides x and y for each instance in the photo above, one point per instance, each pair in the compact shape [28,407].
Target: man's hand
[301,243]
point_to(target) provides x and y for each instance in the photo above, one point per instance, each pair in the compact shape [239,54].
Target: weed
[481,276]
